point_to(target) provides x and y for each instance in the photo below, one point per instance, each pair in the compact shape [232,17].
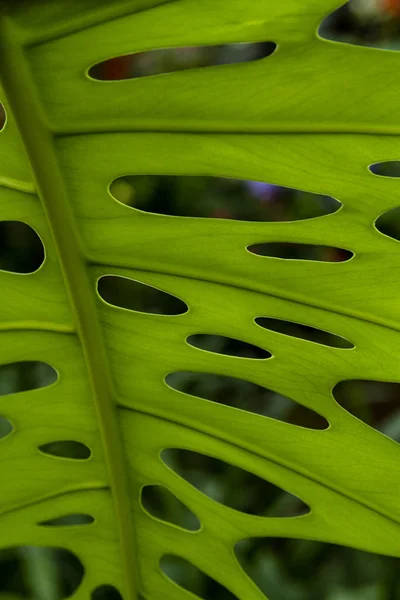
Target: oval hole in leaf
[292,251]
[389,223]
[376,403]
[309,570]
[192,579]
[5,427]
[106,592]
[25,376]
[164,505]
[2,117]
[226,345]
[135,295]
[20,565]
[233,486]
[389,168]
[67,520]
[67,449]
[219,197]
[371,24]
[304,332]
[245,395]
[21,249]
[169,60]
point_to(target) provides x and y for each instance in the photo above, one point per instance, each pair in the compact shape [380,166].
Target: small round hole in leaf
[21,249]
[5,427]
[106,592]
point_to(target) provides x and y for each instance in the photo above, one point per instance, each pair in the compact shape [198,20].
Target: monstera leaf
[312,116]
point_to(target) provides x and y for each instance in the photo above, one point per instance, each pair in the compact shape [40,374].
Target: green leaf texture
[313,116]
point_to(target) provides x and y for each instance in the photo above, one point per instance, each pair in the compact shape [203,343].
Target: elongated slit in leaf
[292,251]
[233,486]
[161,503]
[305,332]
[2,117]
[376,403]
[363,23]
[67,449]
[245,395]
[135,295]
[389,223]
[388,168]
[68,520]
[167,60]
[220,344]
[219,197]
[26,376]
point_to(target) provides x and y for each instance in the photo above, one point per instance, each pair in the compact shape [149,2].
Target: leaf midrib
[38,142]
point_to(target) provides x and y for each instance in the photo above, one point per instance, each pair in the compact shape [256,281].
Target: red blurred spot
[391,6]
[116,68]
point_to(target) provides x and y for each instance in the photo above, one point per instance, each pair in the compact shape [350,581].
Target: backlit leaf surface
[312,116]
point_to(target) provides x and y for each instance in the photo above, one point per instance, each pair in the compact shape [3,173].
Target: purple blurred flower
[264,191]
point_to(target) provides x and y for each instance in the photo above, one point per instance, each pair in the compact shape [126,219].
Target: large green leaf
[312,116]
